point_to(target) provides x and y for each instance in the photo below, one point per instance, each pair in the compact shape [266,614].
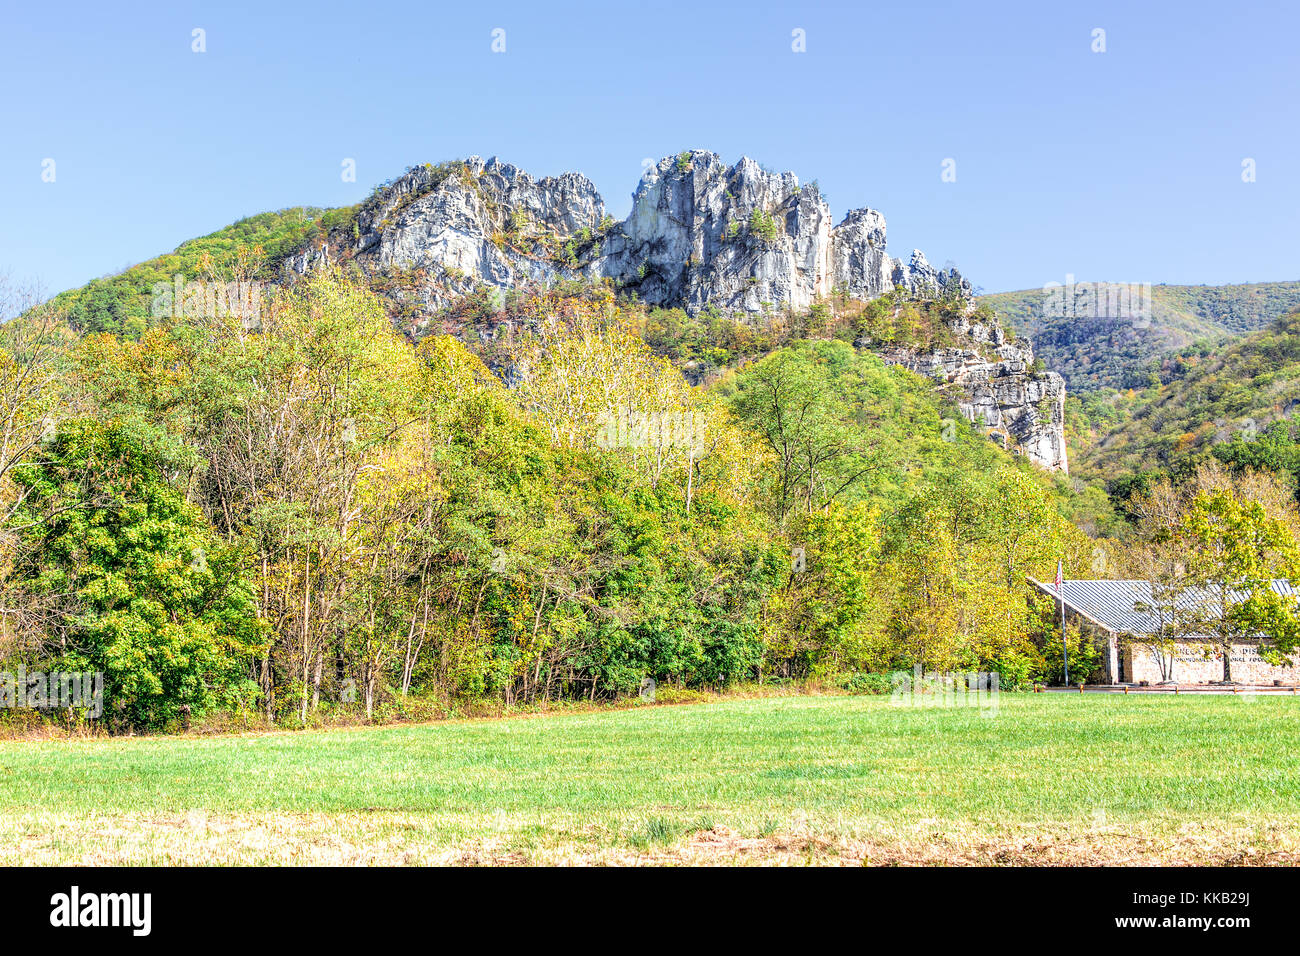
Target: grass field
[1047,779]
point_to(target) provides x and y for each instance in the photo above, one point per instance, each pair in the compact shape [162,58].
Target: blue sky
[1124,165]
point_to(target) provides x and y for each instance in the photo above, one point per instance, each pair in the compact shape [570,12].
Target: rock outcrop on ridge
[739,238]
[998,387]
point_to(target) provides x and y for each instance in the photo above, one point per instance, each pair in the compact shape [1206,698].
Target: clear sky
[1123,165]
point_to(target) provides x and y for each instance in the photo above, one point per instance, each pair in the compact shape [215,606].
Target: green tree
[1237,552]
[149,596]
[790,400]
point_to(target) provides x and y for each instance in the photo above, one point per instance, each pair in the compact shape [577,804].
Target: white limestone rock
[739,238]
[1014,403]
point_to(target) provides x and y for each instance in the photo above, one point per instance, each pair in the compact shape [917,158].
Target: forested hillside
[1128,351]
[308,467]
[1217,399]
[252,248]
[317,514]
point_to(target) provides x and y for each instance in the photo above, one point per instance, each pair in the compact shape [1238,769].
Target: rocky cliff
[738,238]
[995,383]
[464,225]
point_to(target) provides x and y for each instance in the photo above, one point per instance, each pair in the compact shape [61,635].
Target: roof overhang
[1051,592]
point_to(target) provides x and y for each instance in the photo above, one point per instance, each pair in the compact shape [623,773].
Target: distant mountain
[451,247]
[701,234]
[1098,338]
[1214,395]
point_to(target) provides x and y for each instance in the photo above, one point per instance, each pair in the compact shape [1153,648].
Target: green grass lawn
[1046,777]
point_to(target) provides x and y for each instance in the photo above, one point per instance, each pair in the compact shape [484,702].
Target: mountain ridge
[702,237]
[700,233]
[1107,347]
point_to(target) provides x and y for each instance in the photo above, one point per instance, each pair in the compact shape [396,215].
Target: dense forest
[251,248]
[1231,403]
[1096,346]
[299,513]
[288,518]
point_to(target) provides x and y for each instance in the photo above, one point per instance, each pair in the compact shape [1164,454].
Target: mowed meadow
[834,779]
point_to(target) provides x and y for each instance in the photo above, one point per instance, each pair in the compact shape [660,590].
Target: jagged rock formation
[471,223]
[701,234]
[998,387]
[735,238]
[744,239]
[858,259]
[924,281]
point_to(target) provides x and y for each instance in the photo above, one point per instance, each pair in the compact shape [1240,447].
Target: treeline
[1243,397]
[123,304]
[286,517]
[1109,352]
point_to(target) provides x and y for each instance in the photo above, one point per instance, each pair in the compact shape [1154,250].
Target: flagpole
[1065,649]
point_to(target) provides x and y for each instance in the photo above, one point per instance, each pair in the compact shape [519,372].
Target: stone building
[1119,615]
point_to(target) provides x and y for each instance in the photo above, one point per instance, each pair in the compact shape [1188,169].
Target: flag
[1059,579]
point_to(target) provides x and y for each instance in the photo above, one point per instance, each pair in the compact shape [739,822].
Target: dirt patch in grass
[397,839]
[1191,845]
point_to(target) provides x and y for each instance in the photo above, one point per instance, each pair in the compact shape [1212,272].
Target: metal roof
[1115,604]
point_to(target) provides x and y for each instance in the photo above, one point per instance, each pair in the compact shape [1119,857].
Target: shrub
[146,592]
[1015,669]
[861,682]
[1084,658]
